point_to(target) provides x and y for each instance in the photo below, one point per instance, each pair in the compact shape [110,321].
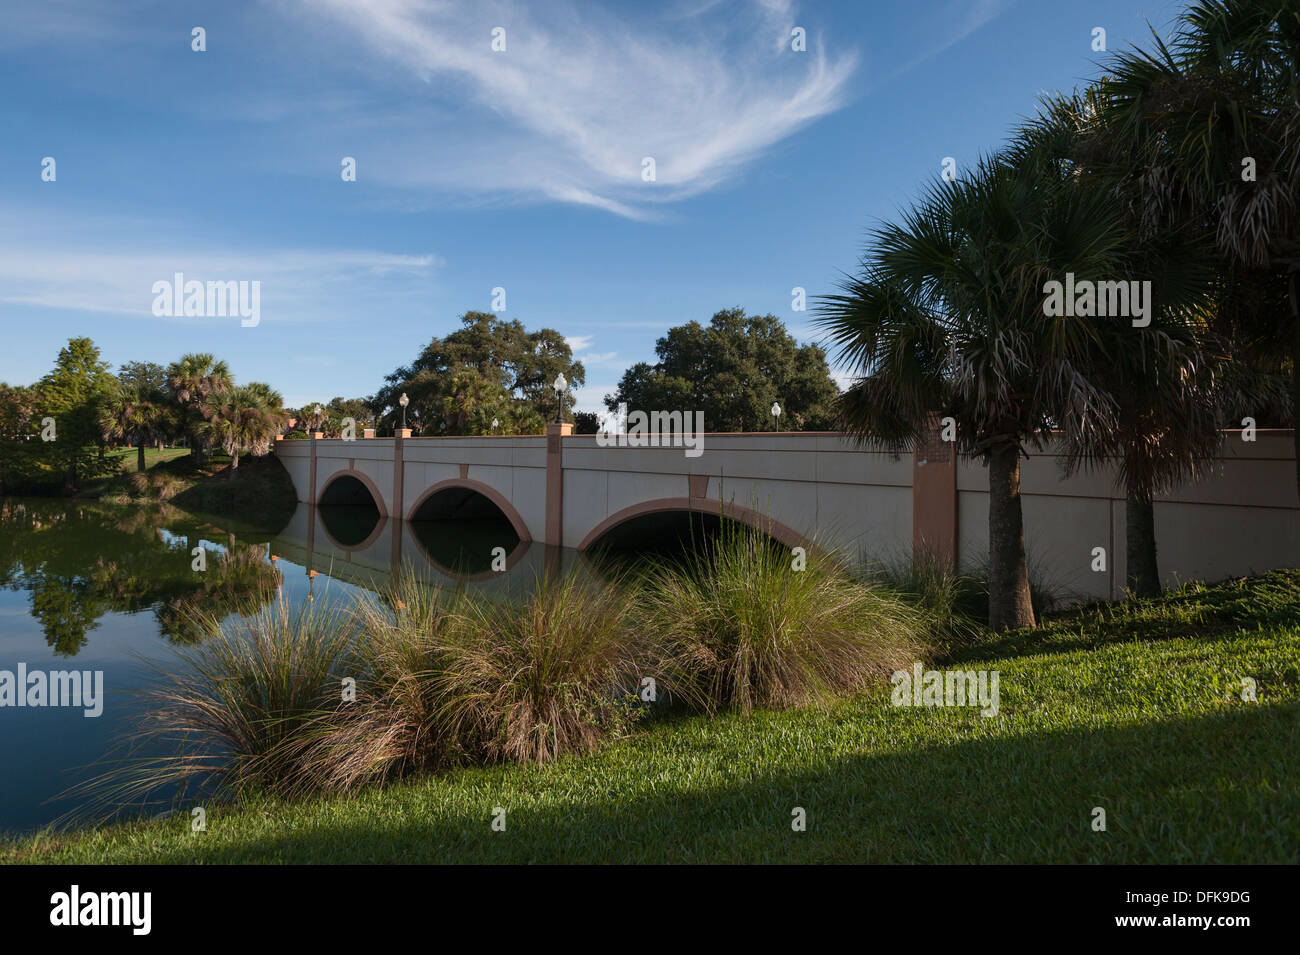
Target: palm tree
[946,318]
[240,421]
[135,413]
[196,381]
[1212,121]
[1170,379]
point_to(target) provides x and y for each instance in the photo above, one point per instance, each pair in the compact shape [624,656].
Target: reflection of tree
[81,560]
[67,611]
[238,581]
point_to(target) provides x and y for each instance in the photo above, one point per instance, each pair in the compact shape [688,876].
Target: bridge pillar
[934,498]
[555,434]
[399,473]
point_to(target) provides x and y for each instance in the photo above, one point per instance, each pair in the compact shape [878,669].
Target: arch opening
[460,528]
[348,510]
[667,534]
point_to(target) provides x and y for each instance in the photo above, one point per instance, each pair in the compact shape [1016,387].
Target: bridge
[803,489]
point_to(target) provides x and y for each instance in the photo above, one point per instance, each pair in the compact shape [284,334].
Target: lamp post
[559,385]
[403,401]
[776,415]
[494,425]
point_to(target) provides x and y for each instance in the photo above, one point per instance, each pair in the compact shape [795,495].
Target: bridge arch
[501,502]
[782,533]
[363,479]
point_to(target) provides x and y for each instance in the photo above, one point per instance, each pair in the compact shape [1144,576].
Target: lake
[108,589]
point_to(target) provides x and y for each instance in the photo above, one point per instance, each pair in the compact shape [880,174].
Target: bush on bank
[422,679]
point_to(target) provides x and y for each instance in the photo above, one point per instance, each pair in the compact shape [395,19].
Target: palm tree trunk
[1009,602]
[1295,378]
[139,455]
[1143,572]
[234,462]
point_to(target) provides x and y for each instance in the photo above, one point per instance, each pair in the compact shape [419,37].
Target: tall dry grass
[239,714]
[738,627]
[444,678]
[548,675]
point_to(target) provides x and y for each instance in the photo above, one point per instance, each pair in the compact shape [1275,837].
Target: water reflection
[80,561]
[355,544]
[115,586]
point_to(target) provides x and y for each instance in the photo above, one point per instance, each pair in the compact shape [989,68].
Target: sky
[497,145]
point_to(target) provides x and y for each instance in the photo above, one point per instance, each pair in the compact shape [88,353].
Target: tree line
[1178,167]
[489,376]
[57,431]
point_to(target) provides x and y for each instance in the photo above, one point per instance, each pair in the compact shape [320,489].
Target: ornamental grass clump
[242,712]
[393,727]
[738,627]
[547,675]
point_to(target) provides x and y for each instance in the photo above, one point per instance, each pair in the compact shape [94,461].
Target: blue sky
[477,169]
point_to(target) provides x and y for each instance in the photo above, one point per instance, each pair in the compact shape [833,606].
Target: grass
[423,679]
[259,491]
[735,627]
[1134,707]
[127,457]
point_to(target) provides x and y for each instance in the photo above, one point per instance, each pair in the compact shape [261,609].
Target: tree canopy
[487,369]
[733,369]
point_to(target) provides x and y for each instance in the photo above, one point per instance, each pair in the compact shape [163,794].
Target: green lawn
[128,456]
[1136,709]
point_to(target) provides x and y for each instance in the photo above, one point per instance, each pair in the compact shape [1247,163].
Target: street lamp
[494,425]
[403,401]
[776,415]
[559,385]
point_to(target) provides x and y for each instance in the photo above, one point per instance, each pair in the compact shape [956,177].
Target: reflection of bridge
[564,489]
[392,545]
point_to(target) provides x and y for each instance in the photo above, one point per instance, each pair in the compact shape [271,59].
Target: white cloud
[581,95]
[62,266]
[592,397]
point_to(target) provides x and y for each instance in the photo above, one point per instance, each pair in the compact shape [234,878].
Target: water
[92,586]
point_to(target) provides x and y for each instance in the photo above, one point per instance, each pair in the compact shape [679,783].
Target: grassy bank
[1135,708]
[258,492]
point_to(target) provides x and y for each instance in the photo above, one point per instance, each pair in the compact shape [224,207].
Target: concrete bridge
[563,489]
[804,489]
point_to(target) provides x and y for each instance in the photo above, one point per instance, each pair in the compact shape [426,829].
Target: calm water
[94,587]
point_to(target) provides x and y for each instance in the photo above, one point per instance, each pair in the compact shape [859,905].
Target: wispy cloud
[579,97]
[959,20]
[64,268]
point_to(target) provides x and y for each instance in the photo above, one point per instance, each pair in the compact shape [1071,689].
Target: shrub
[548,675]
[243,709]
[737,627]
[394,727]
[954,603]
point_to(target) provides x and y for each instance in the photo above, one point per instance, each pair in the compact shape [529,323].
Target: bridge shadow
[1177,790]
